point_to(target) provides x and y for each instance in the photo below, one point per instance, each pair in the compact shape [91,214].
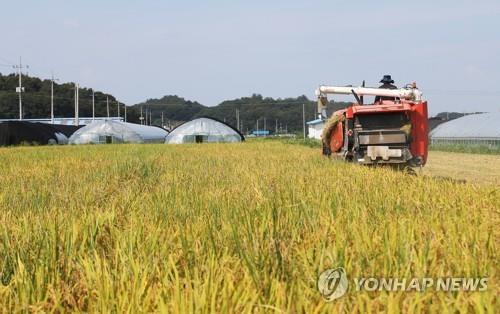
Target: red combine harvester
[393,130]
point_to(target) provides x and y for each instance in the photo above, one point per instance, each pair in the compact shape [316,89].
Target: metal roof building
[483,128]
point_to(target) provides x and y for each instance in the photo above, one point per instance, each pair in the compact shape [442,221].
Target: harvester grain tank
[392,130]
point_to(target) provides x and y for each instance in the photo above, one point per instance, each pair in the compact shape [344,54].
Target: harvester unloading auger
[393,130]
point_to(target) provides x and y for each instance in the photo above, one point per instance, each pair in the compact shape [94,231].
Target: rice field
[232,228]
[469,167]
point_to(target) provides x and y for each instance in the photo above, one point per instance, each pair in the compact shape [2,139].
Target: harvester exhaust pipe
[362,98]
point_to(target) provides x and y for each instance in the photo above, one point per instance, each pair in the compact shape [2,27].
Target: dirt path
[474,168]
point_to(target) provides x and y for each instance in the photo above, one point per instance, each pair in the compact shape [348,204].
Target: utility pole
[107,105]
[257,127]
[264,124]
[162,125]
[237,119]
[77,104]
[141,117]
[125,108]
[93,106]
[20,88]
[304,120]
[146,120]
[150,117]
[276,128]
[52,98]
[118,107]
[77,122]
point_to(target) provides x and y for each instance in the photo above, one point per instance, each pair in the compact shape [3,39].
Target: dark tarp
[22,132]
[434,122]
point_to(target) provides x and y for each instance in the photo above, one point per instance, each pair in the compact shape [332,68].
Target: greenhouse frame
[204,130]
[474,129]
[112,131]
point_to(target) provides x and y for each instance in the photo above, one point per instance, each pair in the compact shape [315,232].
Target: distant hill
[175,109]
[36,99]
[286,112]
[36,104]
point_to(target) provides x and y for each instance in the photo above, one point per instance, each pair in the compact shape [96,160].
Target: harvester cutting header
[391,130]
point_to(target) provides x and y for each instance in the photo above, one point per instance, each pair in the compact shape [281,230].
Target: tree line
[281,113]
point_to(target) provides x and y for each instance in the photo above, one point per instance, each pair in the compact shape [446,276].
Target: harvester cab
[392,130]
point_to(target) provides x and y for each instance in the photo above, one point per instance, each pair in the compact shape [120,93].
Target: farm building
[111,131]
[482,129]
[23,132]
[315,128]
[204,130]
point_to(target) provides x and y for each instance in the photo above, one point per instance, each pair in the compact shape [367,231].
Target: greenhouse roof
[121,132]
[204,129]
[483,125]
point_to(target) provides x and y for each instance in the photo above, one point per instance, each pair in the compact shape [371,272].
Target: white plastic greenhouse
[109,131]
[204,130]
[471,129]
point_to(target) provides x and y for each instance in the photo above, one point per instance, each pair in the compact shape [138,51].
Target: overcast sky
[210,51]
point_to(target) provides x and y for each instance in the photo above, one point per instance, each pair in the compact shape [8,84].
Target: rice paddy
[232,228]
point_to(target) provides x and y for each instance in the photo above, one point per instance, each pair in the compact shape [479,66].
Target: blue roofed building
[261,133]
[315,128]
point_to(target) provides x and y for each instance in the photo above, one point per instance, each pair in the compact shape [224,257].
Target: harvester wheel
[326,150]
[411,171]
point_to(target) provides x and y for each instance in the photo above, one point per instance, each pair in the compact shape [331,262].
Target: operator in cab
[386,83]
